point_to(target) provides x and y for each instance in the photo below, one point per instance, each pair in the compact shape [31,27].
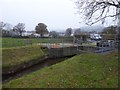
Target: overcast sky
[56,14]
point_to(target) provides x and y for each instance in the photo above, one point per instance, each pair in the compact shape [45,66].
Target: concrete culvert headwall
[69,51]
[61,52]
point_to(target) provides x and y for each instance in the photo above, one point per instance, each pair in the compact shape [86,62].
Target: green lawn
[18,55]
[17,42]
[89,44]
[81,71]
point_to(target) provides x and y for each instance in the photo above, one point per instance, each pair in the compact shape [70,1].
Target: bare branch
[97,10]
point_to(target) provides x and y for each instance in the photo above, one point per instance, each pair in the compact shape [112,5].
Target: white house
[27,33]
[95,36]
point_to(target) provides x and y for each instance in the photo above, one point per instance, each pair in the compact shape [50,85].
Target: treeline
[7,30]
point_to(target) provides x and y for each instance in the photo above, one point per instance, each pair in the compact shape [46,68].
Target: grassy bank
[16,56]
[82,71]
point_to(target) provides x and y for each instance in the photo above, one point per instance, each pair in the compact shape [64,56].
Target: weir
[70,50]
[67,49]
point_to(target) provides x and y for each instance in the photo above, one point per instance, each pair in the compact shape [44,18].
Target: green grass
[17,42]
[82,71]
[18,55]
[89,44]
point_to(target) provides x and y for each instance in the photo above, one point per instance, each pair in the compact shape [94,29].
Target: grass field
[16,56]
[81,71]
[16,42]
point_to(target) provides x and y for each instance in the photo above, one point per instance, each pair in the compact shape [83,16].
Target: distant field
[16,42]
[81,71]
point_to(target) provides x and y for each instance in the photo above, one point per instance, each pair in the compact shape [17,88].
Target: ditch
[44,63]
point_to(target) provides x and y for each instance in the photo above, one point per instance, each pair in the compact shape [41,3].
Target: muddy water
[45,63]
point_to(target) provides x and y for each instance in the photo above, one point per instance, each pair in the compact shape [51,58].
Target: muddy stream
[45,63]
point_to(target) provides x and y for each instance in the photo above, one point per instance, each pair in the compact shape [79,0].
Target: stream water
[42,64]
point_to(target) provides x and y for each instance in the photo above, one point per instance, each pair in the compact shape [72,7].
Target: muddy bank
[31,68]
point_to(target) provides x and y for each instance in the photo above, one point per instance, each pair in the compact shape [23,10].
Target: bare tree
[68,32]
[5,26]
[41,29]
[98,10]
[2,25]
[53,34]
[8,27]
[5,29]
[77,31]
[20,28]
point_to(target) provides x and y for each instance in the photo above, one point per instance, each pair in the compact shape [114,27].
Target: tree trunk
[118,24]
[20,34]
[118,29]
